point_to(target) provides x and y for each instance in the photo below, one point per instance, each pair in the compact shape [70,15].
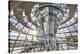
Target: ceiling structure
[22,29]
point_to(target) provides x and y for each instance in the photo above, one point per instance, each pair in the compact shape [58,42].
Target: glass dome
[27,33]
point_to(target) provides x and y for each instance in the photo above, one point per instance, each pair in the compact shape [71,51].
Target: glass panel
[72,20]
[63,35]
[29,24]
[29,37]
[44,11]
[34,38]
[68,23]
[67,10]
[76,26]
[59,26]
[61,31]
[23,35]
[57,35]
[66,30]
[74,33]
[25,29]
[19,26]
[13,37]
[59,15]
[13,21]
[21,38]
[76,15]
[51,10]
[58,31]
[64,18]
[63,25]
[67,34]
[25,19]
[14,33]
[71,28]
[66,15]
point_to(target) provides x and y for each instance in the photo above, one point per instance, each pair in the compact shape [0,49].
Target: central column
[48,21]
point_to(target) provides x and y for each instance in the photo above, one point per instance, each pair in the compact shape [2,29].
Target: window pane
[57,35]
[25,29]
[63,25]
[71,28]
[34,38]
[23,35]
[68,23]
[67,34]
[29,37]
[62,35]
[58,31]
[21,38]
[13,37]
[74,33]
[59,26]
[19,26]
[14,33]
[61,31]
[76,26]
[29,24]
[66,30]
[72,20]
[76,15]
[25,19]
[13,21]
